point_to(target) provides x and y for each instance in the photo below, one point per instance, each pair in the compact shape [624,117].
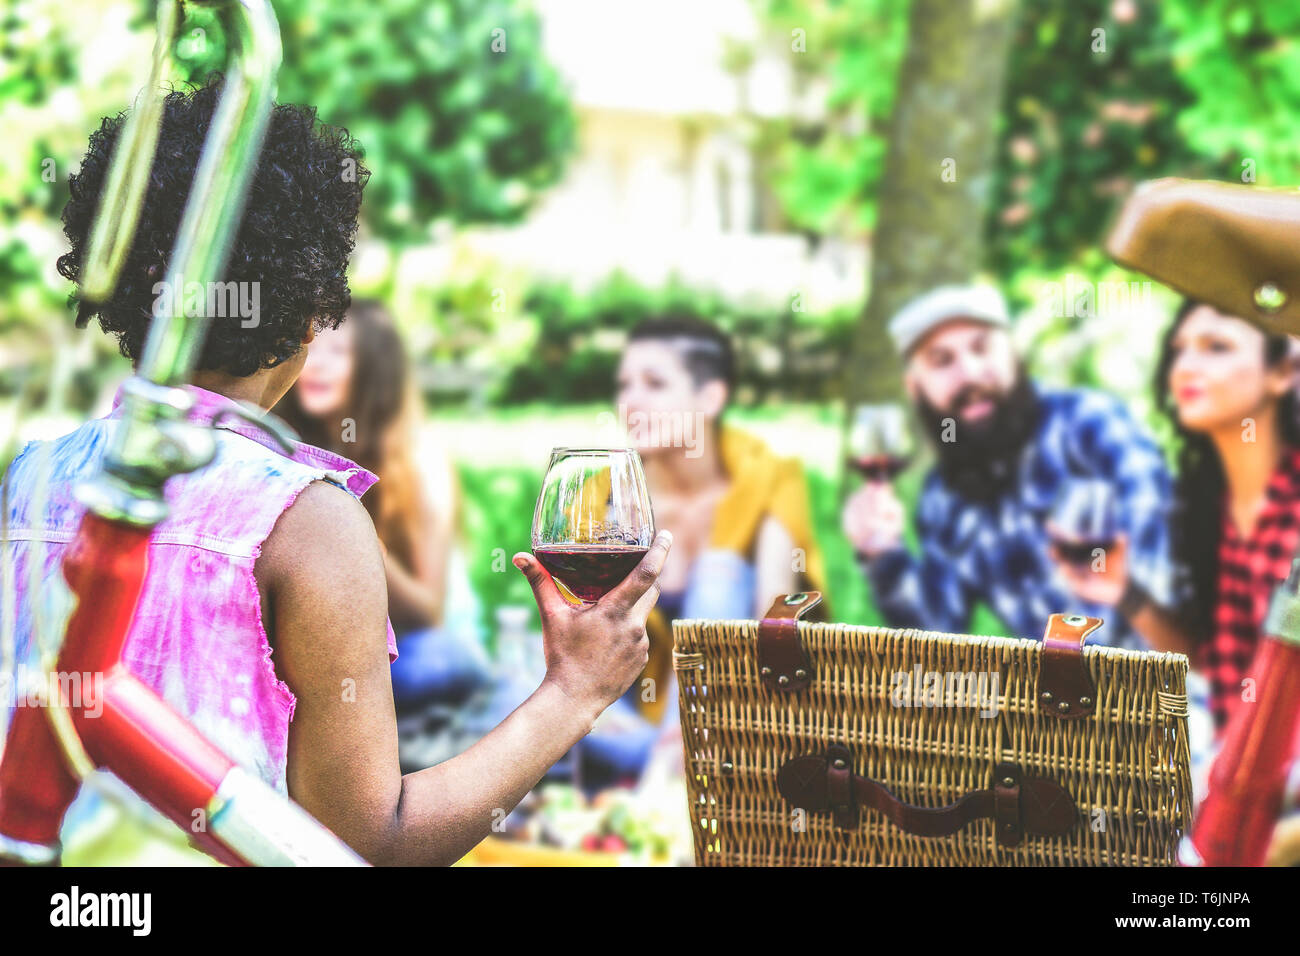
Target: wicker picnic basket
[830,744]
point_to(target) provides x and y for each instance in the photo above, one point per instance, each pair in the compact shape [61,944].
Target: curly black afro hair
[298,230]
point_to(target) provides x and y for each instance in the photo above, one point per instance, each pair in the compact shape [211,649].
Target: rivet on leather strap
[1006,804]
[782,663]
[1065,687]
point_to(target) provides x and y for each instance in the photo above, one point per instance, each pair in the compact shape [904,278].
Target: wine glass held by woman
[593,521]
[1102,578]
[1230,392]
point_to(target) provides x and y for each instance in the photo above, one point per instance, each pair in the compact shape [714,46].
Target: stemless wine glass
[880,445]
[593,522]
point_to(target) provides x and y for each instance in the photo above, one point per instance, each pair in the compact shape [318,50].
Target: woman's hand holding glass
[593,527]
[1102,578]
[595,651]
[1085,543]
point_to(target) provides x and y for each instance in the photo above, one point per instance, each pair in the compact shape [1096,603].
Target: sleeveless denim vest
[197,638]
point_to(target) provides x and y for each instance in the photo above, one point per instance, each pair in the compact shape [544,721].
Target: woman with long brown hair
[356,396]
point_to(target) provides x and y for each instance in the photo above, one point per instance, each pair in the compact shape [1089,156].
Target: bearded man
[1008,451]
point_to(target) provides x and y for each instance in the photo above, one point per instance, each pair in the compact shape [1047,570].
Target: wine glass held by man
[1102,578]
[879,443]
[1085,542]
[269,590]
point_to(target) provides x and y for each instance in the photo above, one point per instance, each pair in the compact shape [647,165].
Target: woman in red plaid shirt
[1229,392]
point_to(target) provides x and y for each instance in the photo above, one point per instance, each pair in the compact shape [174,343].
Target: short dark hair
[298,230]
[705,349]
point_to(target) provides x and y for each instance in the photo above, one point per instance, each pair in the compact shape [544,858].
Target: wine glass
[880,444]
[593,522]
[1083,521]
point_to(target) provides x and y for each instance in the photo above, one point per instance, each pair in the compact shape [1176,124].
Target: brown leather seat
[1234,246]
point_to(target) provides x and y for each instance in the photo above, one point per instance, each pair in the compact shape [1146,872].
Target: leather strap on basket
[782,663]
[1019,805]
[1065,688]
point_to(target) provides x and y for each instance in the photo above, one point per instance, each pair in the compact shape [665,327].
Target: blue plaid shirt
[997,552]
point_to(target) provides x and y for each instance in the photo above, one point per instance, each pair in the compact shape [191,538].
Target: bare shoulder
[325,528]
[321,573]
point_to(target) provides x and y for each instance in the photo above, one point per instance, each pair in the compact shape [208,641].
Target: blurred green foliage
[1100,94]
[782,354]
[825,170]
[497,518]
[1241,61]
[1091,107]
[460,116]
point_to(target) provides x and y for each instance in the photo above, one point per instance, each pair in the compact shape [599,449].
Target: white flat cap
[914,321]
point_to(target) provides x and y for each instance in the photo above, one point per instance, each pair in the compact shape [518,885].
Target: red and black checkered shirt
[1249,570]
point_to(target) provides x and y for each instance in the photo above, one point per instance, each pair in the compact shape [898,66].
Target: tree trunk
[938,173]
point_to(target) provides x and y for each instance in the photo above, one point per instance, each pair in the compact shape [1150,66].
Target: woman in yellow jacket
[739,514]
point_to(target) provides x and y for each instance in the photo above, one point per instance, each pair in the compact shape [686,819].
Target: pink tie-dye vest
[197,638]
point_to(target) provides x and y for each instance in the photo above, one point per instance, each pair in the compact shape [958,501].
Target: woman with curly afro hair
[264,613]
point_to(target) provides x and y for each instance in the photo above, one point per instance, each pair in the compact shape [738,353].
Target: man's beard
[979,459]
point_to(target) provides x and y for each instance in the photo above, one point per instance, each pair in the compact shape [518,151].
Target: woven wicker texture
[1126,767]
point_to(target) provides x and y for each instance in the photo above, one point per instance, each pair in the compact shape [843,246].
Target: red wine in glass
[589,571]
[1082,524]
[879,444]
[593,523]
[1081,553]
[879,467]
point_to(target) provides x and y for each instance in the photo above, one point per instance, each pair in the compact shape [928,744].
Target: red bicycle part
[1248,780]
[130,731]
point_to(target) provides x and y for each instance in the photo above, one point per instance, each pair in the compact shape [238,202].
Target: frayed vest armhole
[266,651]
